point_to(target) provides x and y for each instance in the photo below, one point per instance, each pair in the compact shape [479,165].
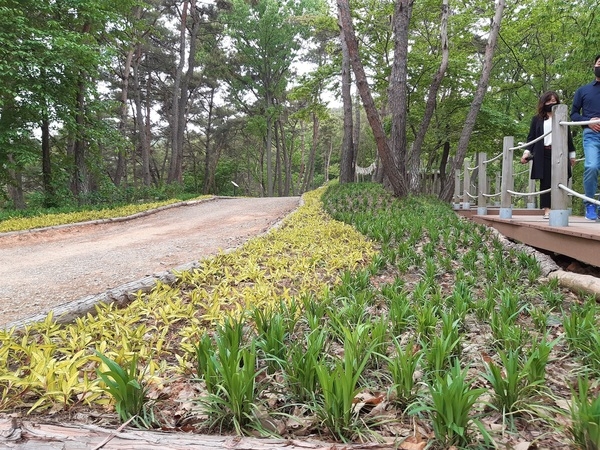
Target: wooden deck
[579,240]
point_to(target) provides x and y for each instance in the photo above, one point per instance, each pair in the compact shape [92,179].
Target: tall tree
[348,159]
[391,166]
[448,189]
[266,36]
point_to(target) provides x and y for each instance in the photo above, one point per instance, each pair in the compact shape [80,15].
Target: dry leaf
[412,443]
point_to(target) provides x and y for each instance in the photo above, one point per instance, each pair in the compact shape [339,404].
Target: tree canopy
[99,99]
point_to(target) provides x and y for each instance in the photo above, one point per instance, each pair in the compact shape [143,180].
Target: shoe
[591,212]
[546,216]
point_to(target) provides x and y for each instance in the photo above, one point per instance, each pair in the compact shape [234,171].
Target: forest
[109,101]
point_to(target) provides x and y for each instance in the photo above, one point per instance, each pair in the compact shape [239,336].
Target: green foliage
[232,374]
[452,400]
[585,417]
[402,367]
[128,389]
[339,386]
[300,372]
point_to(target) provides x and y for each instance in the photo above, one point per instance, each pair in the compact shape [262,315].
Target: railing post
[457,189]
[497,188]
[482,184]
[466,185]
[507,178]
[530,188]
[559,213]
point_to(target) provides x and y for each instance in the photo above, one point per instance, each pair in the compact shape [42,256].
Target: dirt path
[43,269]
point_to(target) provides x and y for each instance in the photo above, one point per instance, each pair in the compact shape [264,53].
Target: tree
[266,37]
[461,151]
[348,160]
[390,162]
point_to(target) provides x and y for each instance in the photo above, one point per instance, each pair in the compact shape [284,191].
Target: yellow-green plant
[47,220]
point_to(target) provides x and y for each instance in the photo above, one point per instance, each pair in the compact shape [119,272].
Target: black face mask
[548,108]
[597,71]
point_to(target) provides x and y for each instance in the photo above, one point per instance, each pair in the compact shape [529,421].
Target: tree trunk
[287,159]
[184,91]
[49,199]
[348,160]
[278,165]
[389,163]
[79,186]
[79,176]
[176,163]
[463,142]
[415,155]
[398,88]
[15,185]
[310,169]
[209,178]
[121,169]
[143,138]
[268,145]
[356,131]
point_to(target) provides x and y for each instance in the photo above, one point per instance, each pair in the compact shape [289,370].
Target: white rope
[470,195]
[492,195]
[588,122]
[473,168]
[365,170]
[493,159]
[527,194]
[577,194]
[527,144]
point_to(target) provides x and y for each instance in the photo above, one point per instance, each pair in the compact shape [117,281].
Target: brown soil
[42,269]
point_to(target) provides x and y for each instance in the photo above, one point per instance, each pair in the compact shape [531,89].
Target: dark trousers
[546,181]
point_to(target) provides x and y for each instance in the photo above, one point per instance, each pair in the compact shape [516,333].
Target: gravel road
[43,269]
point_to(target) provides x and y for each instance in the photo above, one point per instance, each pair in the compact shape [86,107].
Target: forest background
[108,101]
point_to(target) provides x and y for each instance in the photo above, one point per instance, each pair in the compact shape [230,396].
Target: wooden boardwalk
[579,240]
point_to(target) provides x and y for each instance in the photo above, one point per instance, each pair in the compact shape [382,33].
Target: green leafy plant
[402,367]
[300,371]
[339,386]
[452,401]
[585,417]
[438,354]
[127,387]
[205,363]
[272,335]
[231,404]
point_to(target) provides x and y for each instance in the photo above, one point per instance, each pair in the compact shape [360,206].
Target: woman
[541,151]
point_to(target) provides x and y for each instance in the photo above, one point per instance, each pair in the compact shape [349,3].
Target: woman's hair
[546,96]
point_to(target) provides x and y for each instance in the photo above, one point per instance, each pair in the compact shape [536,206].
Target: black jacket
[536,130]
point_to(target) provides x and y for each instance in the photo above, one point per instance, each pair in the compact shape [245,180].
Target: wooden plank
[27,435]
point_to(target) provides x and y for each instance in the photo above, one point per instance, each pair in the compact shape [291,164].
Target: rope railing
[527,194]
[588,122]
[498,156]
[527,144]
[578,195]
[559,191]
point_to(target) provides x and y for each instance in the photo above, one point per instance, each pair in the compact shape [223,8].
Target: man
[586,106]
